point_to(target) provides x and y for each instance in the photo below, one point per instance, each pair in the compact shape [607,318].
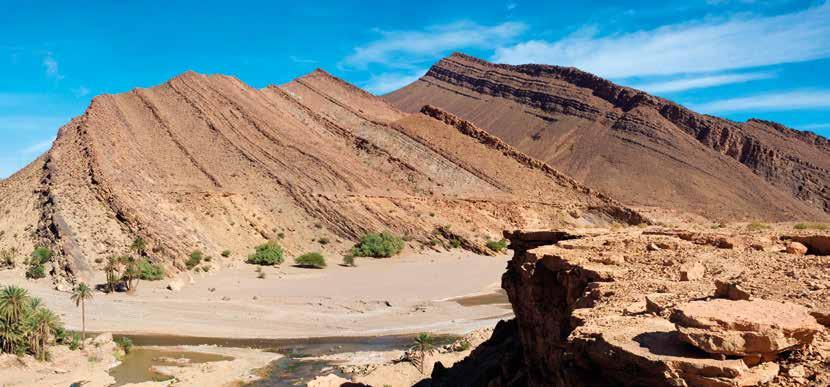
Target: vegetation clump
[194,259]
[497,246]
[757,226]
[27,325]
[348,260]
[423,346]
[267,254]
[313,260]
[378,245]
[149,271]
[39,257]
[124,343]
[226,253]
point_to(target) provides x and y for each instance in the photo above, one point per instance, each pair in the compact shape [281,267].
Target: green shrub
[75,341]
[41,255]
[36,271]
[497,246]
[757,226]
[348,260]
[226,253]
[455,243]
[382,245]
[125,344]
[194,260]
[149,271]
[314,260]
[267,254]
[324,241]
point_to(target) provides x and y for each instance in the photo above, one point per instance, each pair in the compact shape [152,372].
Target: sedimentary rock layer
[638,148]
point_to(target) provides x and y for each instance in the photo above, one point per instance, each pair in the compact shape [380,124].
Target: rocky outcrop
[209,163]
[639,148]
[583,321]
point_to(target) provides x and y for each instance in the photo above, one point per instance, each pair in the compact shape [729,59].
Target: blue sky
[732,58]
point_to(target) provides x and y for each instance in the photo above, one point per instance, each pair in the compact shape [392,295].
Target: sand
[378,297]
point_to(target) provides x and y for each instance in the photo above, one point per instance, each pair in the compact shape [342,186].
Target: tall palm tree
[424,345]
[82,293]
[139,246]
[111,269]
[132,273]
[42,326]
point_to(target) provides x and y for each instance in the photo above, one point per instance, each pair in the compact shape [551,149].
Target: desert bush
[150,271]
[267,254]
[226,253]
[314,260]
[455,243]
[194,260]
[41,255]
[36,271]
[8,257]
[324,241]
[378,245]
[497,246]
[124,343]
[757,226]
[348,260]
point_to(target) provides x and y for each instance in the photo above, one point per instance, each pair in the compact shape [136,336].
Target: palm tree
[11,336]
[139,246]
[42,326]
[13,303]
[424,345]
[132,273]
[82,293]
[111,269]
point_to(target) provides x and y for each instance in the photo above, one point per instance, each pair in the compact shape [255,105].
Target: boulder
[657,303]
[104,338]
[175,285]
[692,271]
[730,291]
[745,328]
[796,248]
[328,381]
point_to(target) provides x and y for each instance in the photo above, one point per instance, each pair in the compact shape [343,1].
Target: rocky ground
[737,305]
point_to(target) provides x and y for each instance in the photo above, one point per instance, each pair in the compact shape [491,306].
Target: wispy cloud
[700,82]
[792,100]
[386,82]
[741,41]
[51,67]
[404,49]
[81,91]
[37,148]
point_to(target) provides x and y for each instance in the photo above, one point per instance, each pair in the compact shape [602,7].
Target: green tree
[132,273]
[423,346]
[14,305]
[378,245]
[43,325]
[111,270]
[80,295]
[267,254]
[139,246]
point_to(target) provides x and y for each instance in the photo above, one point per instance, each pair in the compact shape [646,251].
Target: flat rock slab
[653,347]
[745,328]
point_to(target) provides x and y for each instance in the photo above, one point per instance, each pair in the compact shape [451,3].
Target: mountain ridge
[545,110]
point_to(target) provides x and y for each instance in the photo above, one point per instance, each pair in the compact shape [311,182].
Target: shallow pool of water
[136,366]
[498,298]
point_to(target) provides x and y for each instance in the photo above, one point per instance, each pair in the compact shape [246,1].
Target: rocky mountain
[210,163]
[640,149]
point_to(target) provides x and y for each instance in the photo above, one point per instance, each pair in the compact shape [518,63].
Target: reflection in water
[136,366]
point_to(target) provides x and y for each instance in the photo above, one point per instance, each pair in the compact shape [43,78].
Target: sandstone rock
[797,372]
[822,316]
[611,259]
[657,303]
[796,248]
[652,247]
[328,381]
[730,291]
[742,328]
[104,338]
[175,285]
[692,271]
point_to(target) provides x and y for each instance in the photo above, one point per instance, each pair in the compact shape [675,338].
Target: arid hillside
[207,162]
[640,149]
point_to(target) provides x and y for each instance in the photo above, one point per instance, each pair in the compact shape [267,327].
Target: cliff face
[657,307]
[209,163]
[638,148]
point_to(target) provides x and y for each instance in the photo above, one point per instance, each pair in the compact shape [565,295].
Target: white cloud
[792,100]
[37,148]
[511,6]
[694,47]
[387,82]
[81,91]
[403,49]
[701,82]
[51,66]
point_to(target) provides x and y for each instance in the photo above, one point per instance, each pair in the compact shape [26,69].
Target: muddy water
[136,366]
[290,370]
